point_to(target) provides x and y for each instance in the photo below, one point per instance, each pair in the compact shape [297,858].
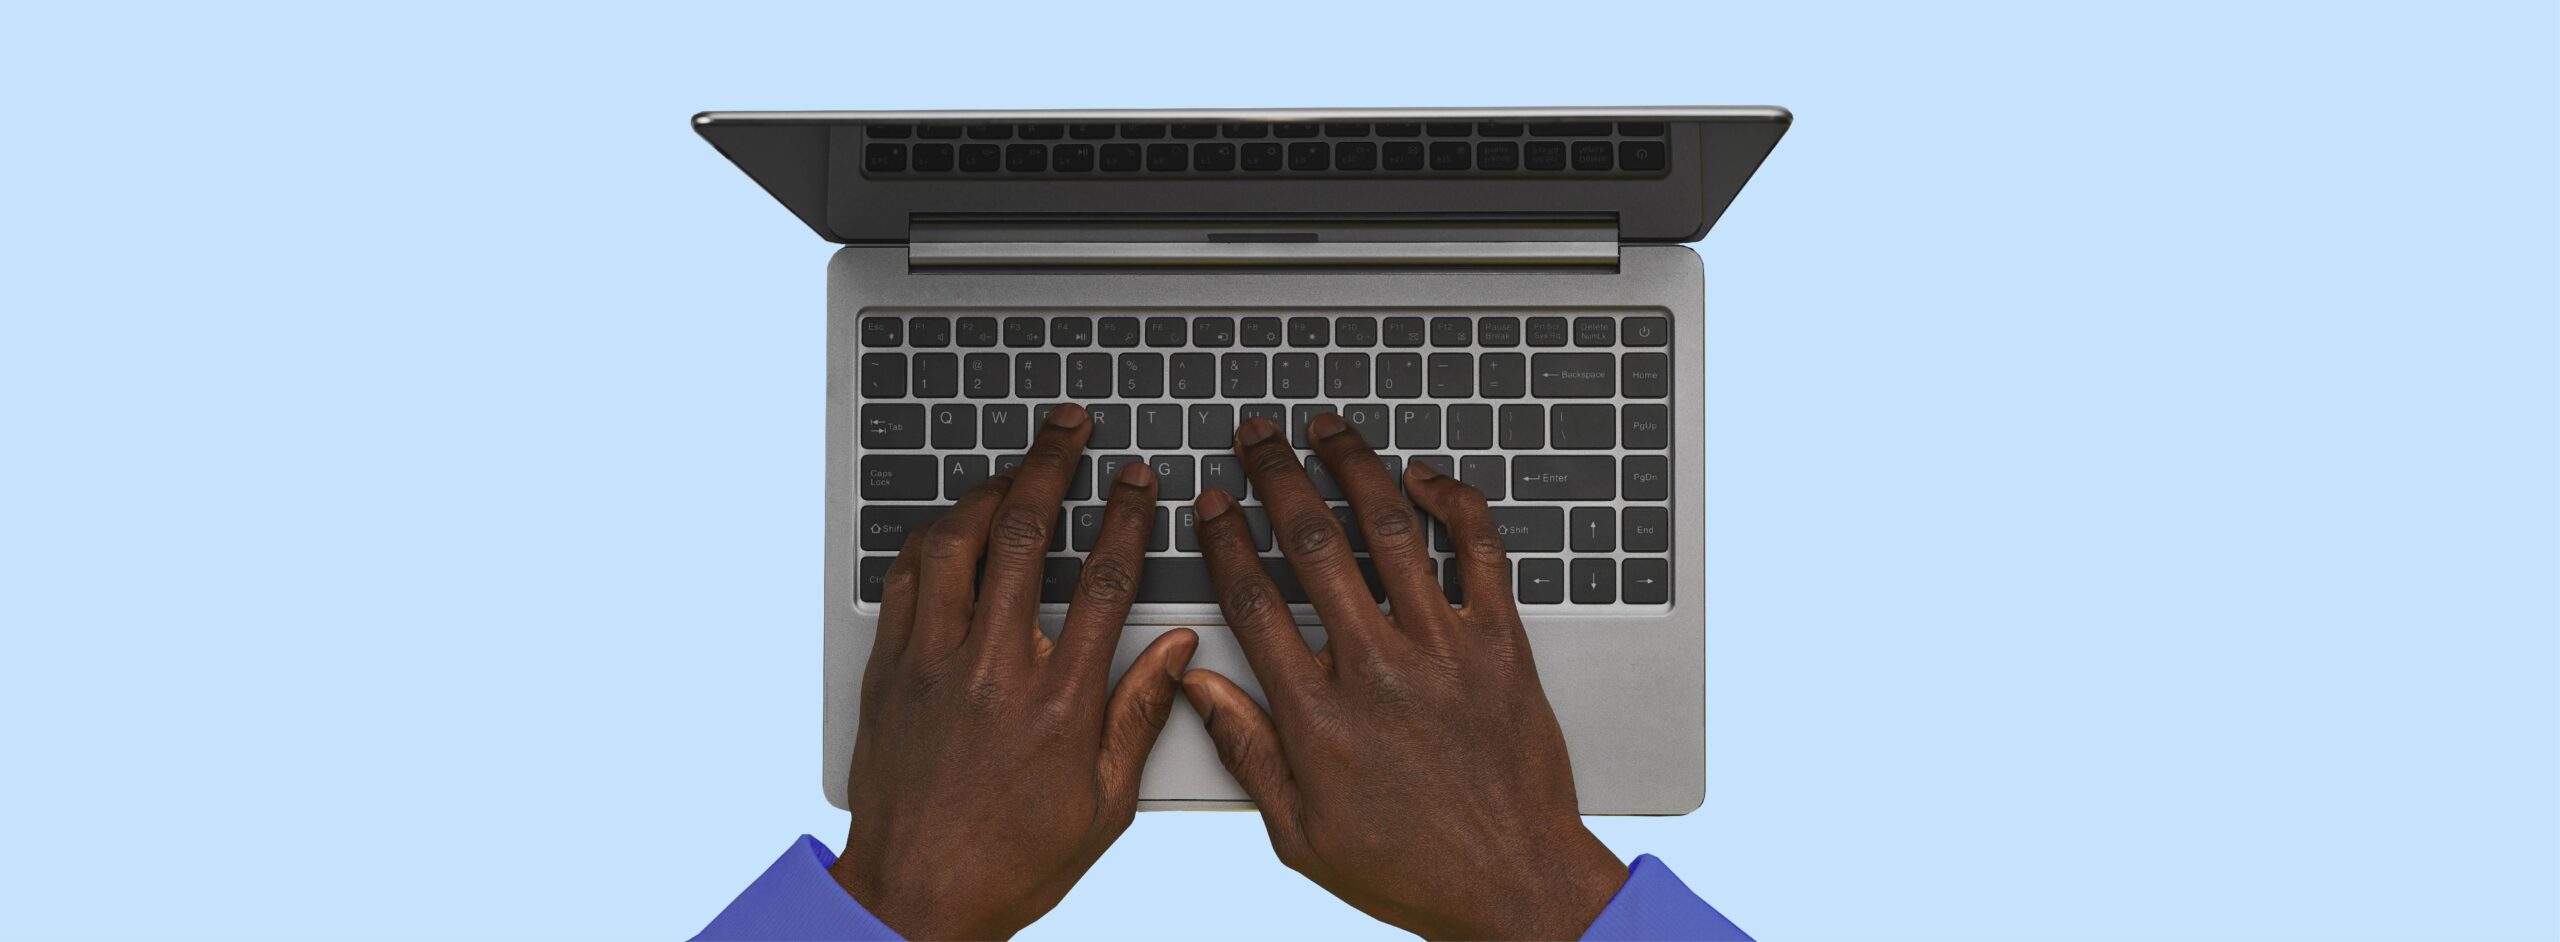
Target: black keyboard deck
[1562,420]
[1531,149]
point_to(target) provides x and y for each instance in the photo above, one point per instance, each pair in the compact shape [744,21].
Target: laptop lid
[1652,175]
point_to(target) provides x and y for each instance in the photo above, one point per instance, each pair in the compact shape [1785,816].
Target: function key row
[1250,375]
[1258,130]
[1309,331]
[1536,156]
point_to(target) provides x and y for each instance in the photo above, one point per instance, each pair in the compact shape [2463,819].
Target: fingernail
[1213,505]
[1136,474]
[1180,657]
[1255,431]
[1327,425]
[1423,471]
[1066,415]
[1199,698]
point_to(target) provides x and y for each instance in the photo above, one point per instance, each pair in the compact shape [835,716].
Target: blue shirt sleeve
[797,899]
[1656,905]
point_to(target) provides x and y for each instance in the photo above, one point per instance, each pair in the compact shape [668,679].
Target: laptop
[1503,293]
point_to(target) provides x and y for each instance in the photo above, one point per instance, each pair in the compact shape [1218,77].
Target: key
[1022,331]
[884,375]
[1008,427]
[1176,579]
[1451,332]
[1084,525]
[886,528]
[1471,426]
[1648,581]
[1595,331]
[1071,331]
[881,331]
[1213,331]
[1593,530]
[1644,425]
[937,375]
[1402,155]
[1584,427]
[1498,331]
[1549,332]
[1417,426]
[1195,376]
[1648,477]
[1277,413]
[1175,478]
[1405,332]
[1346,375]
[1159,426]
[955,426]
[1118,332]
[892,425]
[1258,521]
[875,577]
[1591,155]
[1646,331]
[1223,472]
[897,477]
[1540,582]
[1523,427]
[982,375]
[1035,376]
[1088,376]
[1165,331]
[1452,155]
[1293,375]
[1326,486]
[928,331]
[1159,534]
[1141,375]
[1298,419]
[960,473]
[1372,420]
[1503,375]
[1484,473]
[1399,375]
[1006,463]
[1058,575]
[1355,332]
[1563,477]
[1213,426]
[1259,332]
[1186,529]
[977,331]
[1241,375]
[1453,376]
[1529,529]
[1647,529]
[1594,581]
[1648,376]
[1573,376]
[1080,487]
[1110,426]
[1309,331]
[1449,584]
[1107,467]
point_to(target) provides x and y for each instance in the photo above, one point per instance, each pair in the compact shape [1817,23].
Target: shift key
[1564,477]
[1573,375]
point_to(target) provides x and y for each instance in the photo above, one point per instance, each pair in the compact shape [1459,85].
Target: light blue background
[2132,489]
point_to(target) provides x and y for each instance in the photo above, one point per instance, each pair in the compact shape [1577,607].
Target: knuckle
[983,693]
[1272,460]
[1483,543]
[1020,529]
[1250,600]
[1393,530]
[1310,533]
[949,541]
[1110,581]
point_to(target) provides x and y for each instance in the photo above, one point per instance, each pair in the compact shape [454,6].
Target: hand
[989,771]
[1412,767]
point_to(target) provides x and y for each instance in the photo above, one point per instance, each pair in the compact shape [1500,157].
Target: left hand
[992,767]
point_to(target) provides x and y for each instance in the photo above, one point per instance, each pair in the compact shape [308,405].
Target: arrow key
[1541,582]
[1648,581]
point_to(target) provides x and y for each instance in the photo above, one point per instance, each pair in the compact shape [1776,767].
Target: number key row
[1352,375]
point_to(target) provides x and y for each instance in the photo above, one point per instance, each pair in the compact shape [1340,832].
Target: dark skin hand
[1412,767]
[992,766]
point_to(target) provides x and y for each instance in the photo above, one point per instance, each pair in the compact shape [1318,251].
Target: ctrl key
[875,575]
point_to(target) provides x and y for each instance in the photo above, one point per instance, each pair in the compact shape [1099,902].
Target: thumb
[1138,709]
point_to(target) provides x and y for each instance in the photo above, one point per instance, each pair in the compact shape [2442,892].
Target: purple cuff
[1656,905]
[797,899]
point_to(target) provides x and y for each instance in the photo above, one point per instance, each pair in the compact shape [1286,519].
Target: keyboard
[1563,420]
[1517,149]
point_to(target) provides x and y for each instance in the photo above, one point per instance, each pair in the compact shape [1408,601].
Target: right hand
[1412,767]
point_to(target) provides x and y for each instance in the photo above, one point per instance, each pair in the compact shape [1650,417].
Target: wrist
[1556,895]
[911,911]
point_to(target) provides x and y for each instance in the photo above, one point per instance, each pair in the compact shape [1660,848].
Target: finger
[947,574]
[1308,534]
[1138,710]
[1255,611]
[1398,545]
[1109,583]
[1018,537]
[1249,747]
[1484,568]
[897,615]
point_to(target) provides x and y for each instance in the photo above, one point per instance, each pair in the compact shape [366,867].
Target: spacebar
[1186,579]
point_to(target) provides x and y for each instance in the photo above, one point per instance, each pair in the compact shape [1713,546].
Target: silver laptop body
[1504,293]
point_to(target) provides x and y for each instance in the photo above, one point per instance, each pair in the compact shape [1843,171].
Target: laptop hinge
[1263,242]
